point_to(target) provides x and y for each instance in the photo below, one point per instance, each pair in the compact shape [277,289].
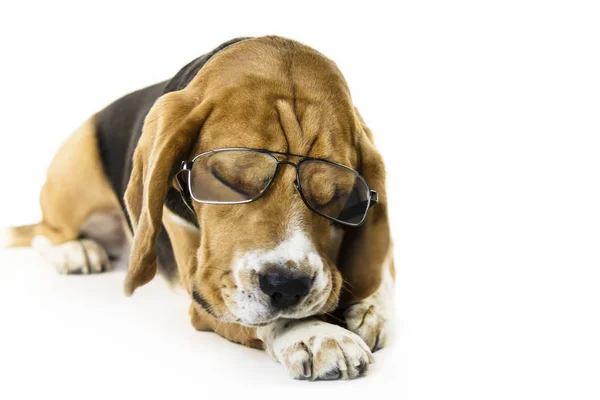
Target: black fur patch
[201,301]
[118,129]
[177,206]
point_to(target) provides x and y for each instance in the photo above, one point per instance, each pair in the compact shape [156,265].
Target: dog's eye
[326,189]
[329,196]
[249,182]
[231,176]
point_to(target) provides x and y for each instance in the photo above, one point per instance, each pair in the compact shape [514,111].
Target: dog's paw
[76,257]
[317,350]
[364,319]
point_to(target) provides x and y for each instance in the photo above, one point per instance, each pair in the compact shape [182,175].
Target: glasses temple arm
[374,197]
[184,186]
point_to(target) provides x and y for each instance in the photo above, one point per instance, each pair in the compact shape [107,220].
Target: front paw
[314,350]
[364,319]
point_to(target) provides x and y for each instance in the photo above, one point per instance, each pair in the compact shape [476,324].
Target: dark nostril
[276,296]
[284,289]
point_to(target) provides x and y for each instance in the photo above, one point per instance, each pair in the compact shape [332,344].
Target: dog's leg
[82,256]
[370,317]
[80,212]
[313,349]
[102,238]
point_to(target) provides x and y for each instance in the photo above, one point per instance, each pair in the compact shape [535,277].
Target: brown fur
[20,236]
[75,189]
[269,93]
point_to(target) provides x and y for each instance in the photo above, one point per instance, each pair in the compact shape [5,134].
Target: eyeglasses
[241,175]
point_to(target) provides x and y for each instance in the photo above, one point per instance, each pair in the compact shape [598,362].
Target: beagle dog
[252,181]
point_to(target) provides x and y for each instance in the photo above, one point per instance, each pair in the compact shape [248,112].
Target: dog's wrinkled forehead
[273,94]
[280,95]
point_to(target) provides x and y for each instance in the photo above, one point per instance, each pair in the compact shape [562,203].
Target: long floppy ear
[364,250]
[170,130]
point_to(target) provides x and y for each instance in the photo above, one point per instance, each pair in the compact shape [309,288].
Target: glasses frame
[184,181]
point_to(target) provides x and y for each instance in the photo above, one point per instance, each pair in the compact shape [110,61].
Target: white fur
[182,222]
[312,349]
[77,256]
[252,305]
[297,247]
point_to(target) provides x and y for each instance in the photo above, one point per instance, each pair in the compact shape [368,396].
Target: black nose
[284,289]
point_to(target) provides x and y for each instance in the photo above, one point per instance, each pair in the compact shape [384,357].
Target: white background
[487,114]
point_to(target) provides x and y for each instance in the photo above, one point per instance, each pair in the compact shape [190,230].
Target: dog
[250,180]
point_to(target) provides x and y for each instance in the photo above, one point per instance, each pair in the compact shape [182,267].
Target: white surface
[487,116]
[79,335]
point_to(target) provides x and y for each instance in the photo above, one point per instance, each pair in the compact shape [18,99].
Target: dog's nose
[284,289]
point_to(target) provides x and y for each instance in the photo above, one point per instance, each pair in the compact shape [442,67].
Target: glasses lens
[231,176]
[334,191]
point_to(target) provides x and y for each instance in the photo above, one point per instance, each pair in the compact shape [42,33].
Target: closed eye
[337,195]
[227,184]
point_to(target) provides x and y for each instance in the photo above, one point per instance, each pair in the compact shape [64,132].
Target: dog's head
[273,257]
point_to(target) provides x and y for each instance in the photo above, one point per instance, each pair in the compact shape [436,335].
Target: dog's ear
[170,130]
[364,249]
